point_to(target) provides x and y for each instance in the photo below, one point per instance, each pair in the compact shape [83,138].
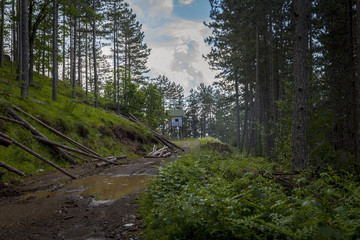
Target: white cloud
[152,10]
[186,2]
[177,44]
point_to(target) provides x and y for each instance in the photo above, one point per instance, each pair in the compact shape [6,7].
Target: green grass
[75,118]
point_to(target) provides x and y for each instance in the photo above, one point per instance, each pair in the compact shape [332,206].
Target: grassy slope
[90,126]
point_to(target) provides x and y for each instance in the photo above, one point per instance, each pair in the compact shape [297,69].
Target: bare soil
[73,216]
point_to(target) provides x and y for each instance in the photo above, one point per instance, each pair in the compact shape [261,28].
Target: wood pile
[160,153]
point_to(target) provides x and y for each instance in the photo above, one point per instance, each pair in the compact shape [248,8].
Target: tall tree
[299,126]
[24,60]
[37,13]
[55,53]
[96,92]
[2,20]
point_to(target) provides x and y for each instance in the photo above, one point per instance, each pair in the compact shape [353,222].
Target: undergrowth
[212,195]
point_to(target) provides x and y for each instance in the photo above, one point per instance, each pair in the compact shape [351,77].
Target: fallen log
[11,169]
[35,132]
[167,155]
[6,94]
[5,142]
[10,120]
[158,152]
[71,149]
[77,156]
[82,147]
[111,159]
[37,155]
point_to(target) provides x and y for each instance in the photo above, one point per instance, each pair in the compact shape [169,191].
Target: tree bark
[245,126]
[24,80]
[2,33]
[63,50]
[238,143]
[14,41]
[5,142]
[73,67]
[271,97]
[299,125]
[94,56]
[55,53]
[257,110]
[86,62]
[19,42]
[79,80]
[11,169]
[357,92]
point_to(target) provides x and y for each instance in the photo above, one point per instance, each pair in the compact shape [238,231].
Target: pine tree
[299,126]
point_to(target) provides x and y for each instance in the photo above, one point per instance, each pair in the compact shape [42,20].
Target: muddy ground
[72,215]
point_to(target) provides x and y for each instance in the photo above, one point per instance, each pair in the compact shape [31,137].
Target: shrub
[207,196]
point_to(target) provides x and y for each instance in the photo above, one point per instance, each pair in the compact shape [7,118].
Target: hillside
[103,132]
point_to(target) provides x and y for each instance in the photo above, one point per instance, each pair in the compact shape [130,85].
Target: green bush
[206,196]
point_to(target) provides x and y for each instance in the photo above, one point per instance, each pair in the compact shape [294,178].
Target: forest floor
[102,204]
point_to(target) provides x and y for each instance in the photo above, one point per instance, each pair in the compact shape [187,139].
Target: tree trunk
[25,50]
[19,42]
[299,125]
[2,33]
[271,96]
[115,62]
[31,45]
[14,40]
[238,144]
[257,110]
[357,92]
[55,53]
[86,62]
[63,50]
[79,81]
[31,59]
[252,138]
[245,126]
[73,67]
[94,56]
[71,48]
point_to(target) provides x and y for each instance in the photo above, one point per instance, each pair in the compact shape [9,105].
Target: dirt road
[101,205]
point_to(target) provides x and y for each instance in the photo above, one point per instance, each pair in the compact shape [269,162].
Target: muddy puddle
[101,187]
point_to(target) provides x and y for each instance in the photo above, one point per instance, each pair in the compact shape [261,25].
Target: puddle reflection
[102,187]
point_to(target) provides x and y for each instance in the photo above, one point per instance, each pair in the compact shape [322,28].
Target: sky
[175,32]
